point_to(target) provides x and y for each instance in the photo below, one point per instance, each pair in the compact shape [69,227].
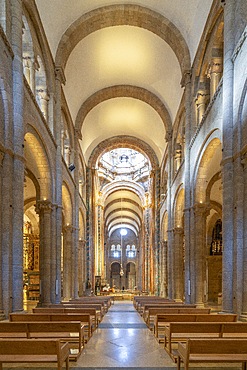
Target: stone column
[18,174]
[146,251]
[44,209]
[67,153]
[164,268]
[215,73]
[189,129]
[170,282]
[199,251]
[2,316]
[81,278]
[170,256]
[178,157]
[227,162]
[43,99]
[60,79]
[77,136]
[67,262]
[29,71]
[202,99]
[178,265]
[244,281]
[156,231]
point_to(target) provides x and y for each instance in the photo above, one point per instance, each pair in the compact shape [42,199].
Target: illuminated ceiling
[124,79]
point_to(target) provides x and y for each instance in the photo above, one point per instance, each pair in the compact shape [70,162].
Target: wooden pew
[138,299]
[98,306]
[71,331]
[234,330]
[163,320]
[181,331]
[212,351]
[151,312]
[35,317]
[34,351]
[95,314]
[101,306]
[145,307]
[106,301]
[13,330]
[155,303]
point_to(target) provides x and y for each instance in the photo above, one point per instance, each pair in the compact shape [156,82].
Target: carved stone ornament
[43,206]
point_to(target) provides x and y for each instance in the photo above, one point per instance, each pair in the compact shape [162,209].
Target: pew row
[180,332]
[34,351]
[85,319]
[95,314]
[151,313]
[212,351]
[138,299]
[71,332]
[161,321]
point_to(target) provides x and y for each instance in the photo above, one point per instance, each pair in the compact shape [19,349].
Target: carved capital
[59,74]
[186,78]
[43,206]
[202,97]
[168,136]
[78,134]
[68,228]
[200,209]
[178,230]
[215,67]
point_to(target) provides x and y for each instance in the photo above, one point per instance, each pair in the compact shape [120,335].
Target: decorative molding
[206,113]
[239,45]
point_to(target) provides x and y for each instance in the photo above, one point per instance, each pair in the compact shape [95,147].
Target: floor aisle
[123,340]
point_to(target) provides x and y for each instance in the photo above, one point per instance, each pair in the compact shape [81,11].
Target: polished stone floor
[122,340]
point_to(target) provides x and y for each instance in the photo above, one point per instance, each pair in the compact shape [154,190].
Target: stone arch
[67,205]
[164,226]
[178,210]
[122,141]
[124,185]
[242,119]
[41,48]
[37,161]
[128,14]
[117,91]
[208,149]
[215,178]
